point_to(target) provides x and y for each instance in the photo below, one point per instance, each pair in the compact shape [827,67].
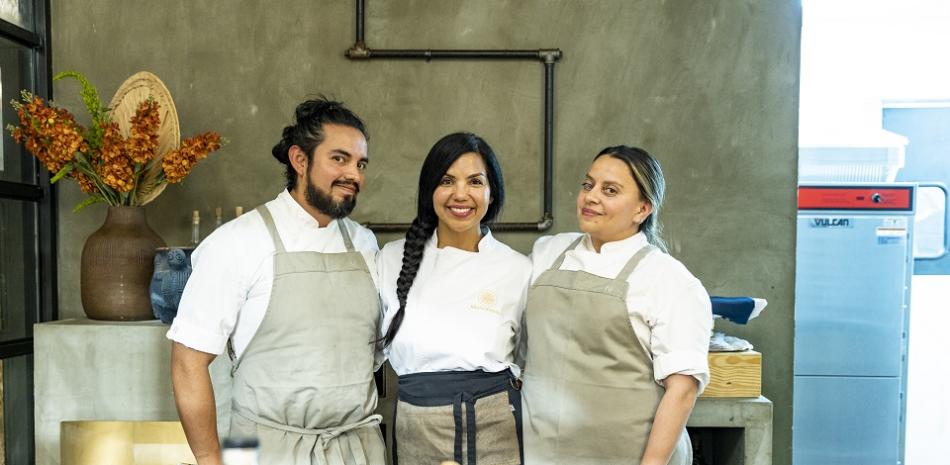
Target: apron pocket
[496,439]
[424,435]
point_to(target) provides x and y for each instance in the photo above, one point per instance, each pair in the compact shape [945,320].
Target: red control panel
[856,198]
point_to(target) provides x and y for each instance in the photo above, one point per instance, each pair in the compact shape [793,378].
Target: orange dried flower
[178,163]
[109,165]
[50,134]
[115,167]
[85,184]
[143,134]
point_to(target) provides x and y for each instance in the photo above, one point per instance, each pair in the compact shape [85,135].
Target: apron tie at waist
[324,435]
[469,401]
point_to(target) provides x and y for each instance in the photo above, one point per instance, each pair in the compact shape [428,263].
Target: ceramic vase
[117,264]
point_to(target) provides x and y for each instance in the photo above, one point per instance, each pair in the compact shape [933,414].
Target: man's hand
[194,398]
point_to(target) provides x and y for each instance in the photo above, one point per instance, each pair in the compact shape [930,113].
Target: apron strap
[271,228]
[329,433]
[324,435]
[560,259]
[634,261]
[346,235]
[279,246]
[470,426]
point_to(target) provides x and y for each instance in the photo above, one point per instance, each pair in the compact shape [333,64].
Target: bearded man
[289,290]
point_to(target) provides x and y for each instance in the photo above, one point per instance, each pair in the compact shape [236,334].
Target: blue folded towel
[734,309]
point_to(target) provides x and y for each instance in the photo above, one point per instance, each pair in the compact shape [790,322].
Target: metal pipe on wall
[548,57]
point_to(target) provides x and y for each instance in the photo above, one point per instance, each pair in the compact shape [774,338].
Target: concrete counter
[101,370]
[96,370]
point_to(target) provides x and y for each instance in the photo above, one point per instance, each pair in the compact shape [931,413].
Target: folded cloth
[719,342]
[738,310]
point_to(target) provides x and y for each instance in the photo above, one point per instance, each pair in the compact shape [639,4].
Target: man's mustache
[355,185]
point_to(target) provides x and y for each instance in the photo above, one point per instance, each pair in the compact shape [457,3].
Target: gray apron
[589,395]
[304,386]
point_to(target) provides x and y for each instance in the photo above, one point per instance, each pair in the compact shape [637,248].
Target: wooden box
[124,443]
[734,374]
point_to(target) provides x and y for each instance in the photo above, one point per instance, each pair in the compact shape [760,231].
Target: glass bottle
[195,228]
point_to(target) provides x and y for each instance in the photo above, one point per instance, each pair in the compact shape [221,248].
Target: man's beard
[323,201]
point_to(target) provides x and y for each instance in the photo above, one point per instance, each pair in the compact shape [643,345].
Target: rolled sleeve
[684,363]
[213,296]
[196,336]
[681,328]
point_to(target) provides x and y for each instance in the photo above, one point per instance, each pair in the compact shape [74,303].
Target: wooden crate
[734,374]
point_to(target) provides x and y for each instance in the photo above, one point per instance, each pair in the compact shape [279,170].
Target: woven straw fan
[139,87]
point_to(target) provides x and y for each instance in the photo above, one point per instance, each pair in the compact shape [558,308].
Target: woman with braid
[452,298]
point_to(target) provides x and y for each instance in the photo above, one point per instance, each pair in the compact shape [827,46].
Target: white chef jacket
[233,270]
[669,309]
[463,311]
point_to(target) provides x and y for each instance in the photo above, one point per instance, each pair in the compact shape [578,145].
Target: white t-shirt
[463,312]
[233,270]
[669,309]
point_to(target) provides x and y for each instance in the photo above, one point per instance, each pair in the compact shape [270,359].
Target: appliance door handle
[946,218]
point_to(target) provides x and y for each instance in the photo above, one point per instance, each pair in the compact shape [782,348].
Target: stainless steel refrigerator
[854,261]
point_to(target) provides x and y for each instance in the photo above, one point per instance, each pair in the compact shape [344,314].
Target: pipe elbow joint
[546,222]
[549,56]
[358,51]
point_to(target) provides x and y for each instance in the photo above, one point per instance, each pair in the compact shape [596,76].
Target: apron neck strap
[271,228]
[634,261]
[560,259]
[346,235]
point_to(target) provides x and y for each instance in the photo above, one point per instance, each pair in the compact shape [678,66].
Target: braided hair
[646,171]
[440,158]
[307,132]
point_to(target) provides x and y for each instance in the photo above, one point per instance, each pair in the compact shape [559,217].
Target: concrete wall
[709,87]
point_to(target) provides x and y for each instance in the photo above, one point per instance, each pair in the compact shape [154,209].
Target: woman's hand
[671,416]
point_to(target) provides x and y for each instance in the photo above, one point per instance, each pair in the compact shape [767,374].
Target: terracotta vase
[116,269]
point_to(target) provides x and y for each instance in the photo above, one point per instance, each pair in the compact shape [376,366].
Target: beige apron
[472,417]
[589,394]
[304,386]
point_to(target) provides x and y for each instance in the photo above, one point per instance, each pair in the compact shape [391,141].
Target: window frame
[42,193]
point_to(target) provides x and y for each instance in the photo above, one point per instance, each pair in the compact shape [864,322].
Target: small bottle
[238,211]
[218,219]
[195,227]
[239,451]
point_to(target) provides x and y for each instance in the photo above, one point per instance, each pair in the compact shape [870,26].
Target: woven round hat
[134,91]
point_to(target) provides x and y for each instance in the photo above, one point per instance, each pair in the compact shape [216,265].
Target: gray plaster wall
[710,87]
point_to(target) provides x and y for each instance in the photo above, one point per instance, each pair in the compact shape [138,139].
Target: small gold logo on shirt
[486,301]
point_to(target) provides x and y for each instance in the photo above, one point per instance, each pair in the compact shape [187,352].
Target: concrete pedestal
[97,370]
[740,428]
